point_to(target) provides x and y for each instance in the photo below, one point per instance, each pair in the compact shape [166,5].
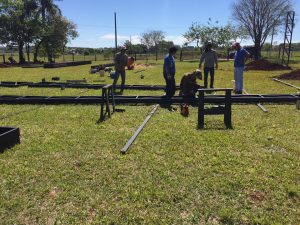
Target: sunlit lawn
[68,169]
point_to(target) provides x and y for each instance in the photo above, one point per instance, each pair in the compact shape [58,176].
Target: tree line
[39,24]
[251,19]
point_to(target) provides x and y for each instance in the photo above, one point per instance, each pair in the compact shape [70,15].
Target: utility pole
[116,37]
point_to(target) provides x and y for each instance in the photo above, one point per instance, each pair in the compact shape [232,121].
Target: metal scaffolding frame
[288,34]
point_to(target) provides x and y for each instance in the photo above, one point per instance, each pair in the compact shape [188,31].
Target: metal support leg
[201,110]
[107,103]
[106,91]
[111,95]
[102,116]
[227,113]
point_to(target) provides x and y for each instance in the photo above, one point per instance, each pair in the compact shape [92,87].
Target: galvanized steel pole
[116,37]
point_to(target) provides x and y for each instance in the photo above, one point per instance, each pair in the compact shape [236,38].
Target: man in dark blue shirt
[241,55]
[169,72]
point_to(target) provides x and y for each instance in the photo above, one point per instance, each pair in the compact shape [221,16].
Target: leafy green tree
[164,45]
[17,23]
[260,18]
[194,33]
[47,10]
[55,32]
[152,38]
[219,36]
[61,31]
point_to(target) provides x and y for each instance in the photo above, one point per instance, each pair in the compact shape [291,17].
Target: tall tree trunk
[35,55]
[21,54]
[28,52]
[63,53]
[181,59]
[156,53]
[36,50]
[49,53]
[257,48]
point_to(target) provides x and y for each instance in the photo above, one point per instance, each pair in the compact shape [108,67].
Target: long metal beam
[138,131]
[73,85]
[258,104]
[96,86]
[286,83]
[236,99]
[14,84]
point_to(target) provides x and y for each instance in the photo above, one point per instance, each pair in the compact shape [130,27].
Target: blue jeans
[210,70]
[117,74]
[238,78]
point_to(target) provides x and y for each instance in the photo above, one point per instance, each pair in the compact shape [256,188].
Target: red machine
[130,62]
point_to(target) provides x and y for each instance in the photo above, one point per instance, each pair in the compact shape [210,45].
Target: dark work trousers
[170,86]
[210,70]
[117,74]
[170,90]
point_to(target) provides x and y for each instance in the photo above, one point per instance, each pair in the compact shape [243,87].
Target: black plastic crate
[9,136]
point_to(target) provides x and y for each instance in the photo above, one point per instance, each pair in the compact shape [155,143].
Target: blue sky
[95,18]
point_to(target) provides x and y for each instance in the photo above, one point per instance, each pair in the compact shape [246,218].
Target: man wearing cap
[240,57]
[188,83]
[188,88]
[121,60]
[210,59]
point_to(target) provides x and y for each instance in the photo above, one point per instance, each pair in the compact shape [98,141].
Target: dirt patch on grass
[255,196]
[141,65]
[263,64]
[54,192]
[294,75]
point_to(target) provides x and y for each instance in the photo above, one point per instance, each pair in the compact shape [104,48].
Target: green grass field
[68,169]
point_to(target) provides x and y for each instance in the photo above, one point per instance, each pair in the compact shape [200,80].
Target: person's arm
[115,59]
[181,83]
[201,60]
[126,61]
[247,55]
[167,67]
[116,62]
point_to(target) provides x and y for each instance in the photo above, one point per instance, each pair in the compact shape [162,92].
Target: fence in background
[186,55]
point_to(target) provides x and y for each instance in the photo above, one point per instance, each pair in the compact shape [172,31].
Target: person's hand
[217,67]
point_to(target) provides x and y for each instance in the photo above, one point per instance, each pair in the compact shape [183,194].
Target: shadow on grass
[106,117]
[216,125]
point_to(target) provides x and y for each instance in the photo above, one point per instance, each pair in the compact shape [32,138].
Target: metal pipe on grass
[132,139]
[258,104]
[288,84]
